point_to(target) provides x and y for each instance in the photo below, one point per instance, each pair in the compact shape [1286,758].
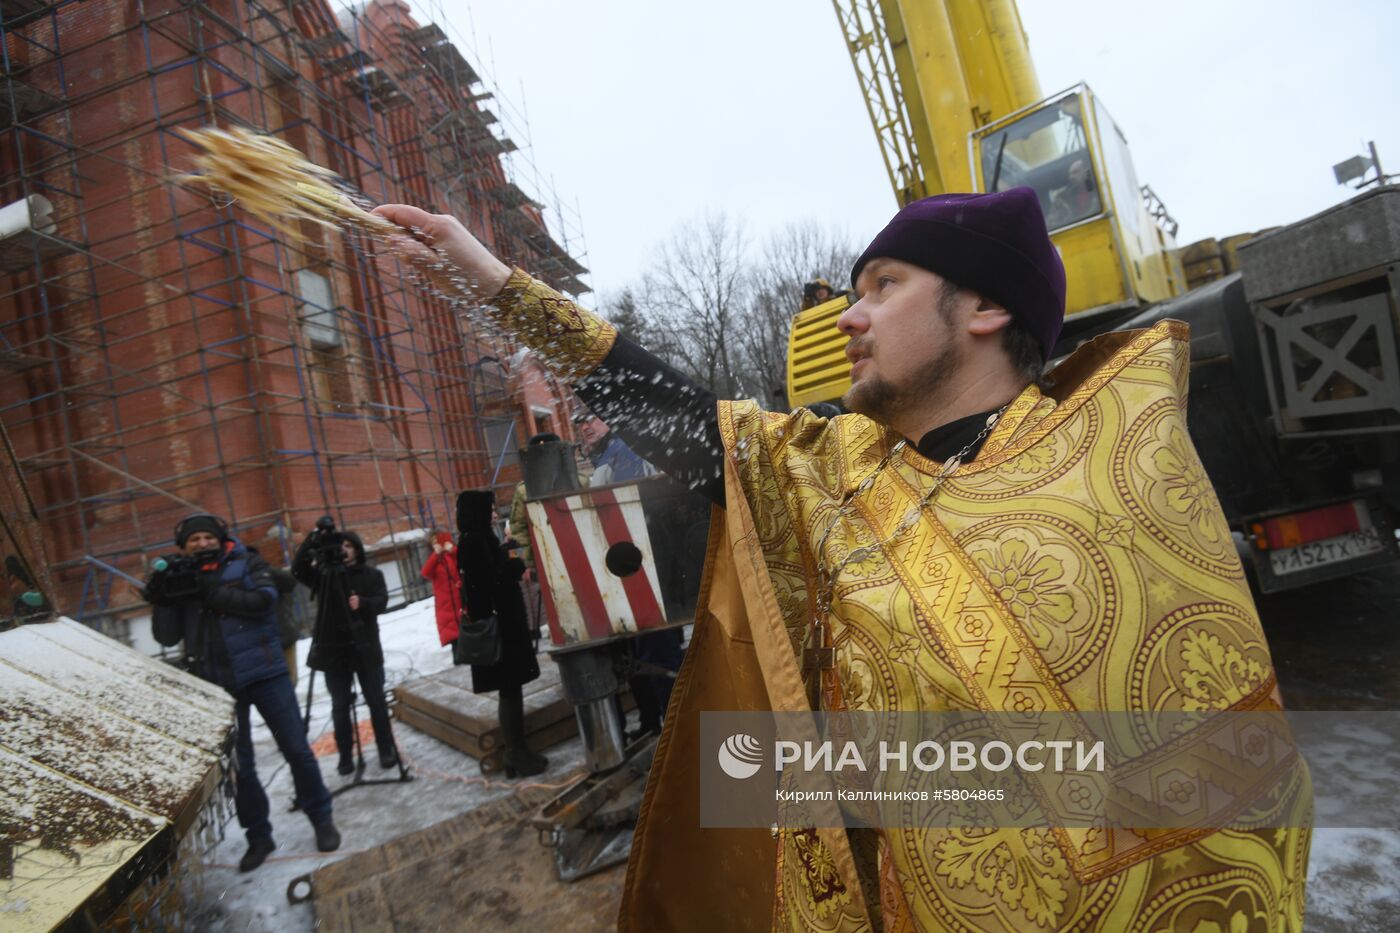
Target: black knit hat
[995,244]
[188,526]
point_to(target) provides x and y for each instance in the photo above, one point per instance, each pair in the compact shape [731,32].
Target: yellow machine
[956,106]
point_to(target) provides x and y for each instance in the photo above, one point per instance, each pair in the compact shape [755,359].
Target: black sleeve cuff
[662,415]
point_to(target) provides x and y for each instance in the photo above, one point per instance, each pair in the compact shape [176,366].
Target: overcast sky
[648,113]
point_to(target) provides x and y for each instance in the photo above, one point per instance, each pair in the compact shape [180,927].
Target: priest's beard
[882,400]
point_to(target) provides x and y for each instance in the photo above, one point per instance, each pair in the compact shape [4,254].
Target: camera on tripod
[180,573]
[328,545]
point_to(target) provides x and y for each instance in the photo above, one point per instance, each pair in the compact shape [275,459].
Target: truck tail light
[1258,536]
[1330,521]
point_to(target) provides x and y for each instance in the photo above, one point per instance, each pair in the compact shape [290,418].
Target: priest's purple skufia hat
[995,244]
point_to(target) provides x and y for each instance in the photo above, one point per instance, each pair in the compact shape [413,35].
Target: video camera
[179,574]
[327,544]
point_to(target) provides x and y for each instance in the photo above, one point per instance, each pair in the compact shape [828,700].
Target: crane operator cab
[1118,256]
[1116,240]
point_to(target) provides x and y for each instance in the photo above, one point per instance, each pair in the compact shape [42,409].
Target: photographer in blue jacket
[220,600]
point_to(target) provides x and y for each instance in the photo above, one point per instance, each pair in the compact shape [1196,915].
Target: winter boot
[327,836]
[347,763]
[519,760]
[258,851]
[388,757]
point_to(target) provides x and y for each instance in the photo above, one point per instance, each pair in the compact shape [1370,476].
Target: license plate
[1329,551]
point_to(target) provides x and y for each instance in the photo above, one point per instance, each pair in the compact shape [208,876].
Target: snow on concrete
[1354,881]
[101,749]
[98,671]
[399,537]
[1354,870]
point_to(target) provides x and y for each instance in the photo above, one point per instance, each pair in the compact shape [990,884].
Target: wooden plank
[481,870]
[541,738]
[1213,266]
[477,714]
[462,741]
[447,696]
[553,734]
[349,872]
[1200,250]
[364,907]
[461,677]
[503,880]
[463,711]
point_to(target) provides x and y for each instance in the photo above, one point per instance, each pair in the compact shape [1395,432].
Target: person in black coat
[491,585]
[350,595]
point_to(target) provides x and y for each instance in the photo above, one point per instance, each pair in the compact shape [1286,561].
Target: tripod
[358,779]
[332,590]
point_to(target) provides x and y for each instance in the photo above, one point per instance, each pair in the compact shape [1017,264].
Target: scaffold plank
[28,102]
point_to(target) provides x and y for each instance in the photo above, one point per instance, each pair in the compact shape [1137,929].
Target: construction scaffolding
[162,353]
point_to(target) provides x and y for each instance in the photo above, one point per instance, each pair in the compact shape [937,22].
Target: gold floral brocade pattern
[1082,562]
[571,340]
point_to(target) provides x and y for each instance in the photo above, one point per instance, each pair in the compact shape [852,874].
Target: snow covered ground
[1353,874]
[1354,881]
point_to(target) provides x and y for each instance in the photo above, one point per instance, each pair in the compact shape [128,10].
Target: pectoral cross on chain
[818,656]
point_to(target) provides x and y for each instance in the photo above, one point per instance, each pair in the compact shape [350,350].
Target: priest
[975,534]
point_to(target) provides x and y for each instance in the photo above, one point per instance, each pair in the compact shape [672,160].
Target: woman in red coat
[441,569]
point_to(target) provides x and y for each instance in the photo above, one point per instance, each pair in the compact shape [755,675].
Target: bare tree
[797,254]
[722,316]
[630,312]
[697,290]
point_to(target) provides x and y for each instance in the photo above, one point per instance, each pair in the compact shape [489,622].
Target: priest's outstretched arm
[662,414]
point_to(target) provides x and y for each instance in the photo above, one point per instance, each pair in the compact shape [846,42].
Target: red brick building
[162,352]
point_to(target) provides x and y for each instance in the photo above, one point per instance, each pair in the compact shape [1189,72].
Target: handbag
[478,642]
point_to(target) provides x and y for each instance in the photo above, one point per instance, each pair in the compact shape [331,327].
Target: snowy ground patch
[1354,881]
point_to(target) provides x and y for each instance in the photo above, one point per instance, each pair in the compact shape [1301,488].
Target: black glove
[154,590]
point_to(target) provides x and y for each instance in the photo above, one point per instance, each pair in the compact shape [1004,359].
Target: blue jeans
[277,704]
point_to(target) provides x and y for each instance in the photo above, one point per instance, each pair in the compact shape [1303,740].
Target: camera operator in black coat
[349,595]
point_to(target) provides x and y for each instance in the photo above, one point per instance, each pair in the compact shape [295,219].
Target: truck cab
[1115,239]
[1117,254]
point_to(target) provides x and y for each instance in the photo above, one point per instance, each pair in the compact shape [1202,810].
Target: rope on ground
[295,857]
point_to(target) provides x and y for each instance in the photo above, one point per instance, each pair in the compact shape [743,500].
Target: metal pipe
[598,725]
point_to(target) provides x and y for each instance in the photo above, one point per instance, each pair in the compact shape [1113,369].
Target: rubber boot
[519,760]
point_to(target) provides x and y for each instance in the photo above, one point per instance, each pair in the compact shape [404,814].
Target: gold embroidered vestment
[1080,562]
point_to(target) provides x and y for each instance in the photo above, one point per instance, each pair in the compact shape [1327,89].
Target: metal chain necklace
[820,654]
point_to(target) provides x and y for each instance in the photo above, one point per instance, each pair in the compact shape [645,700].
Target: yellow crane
[1295,379]
[956,106]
